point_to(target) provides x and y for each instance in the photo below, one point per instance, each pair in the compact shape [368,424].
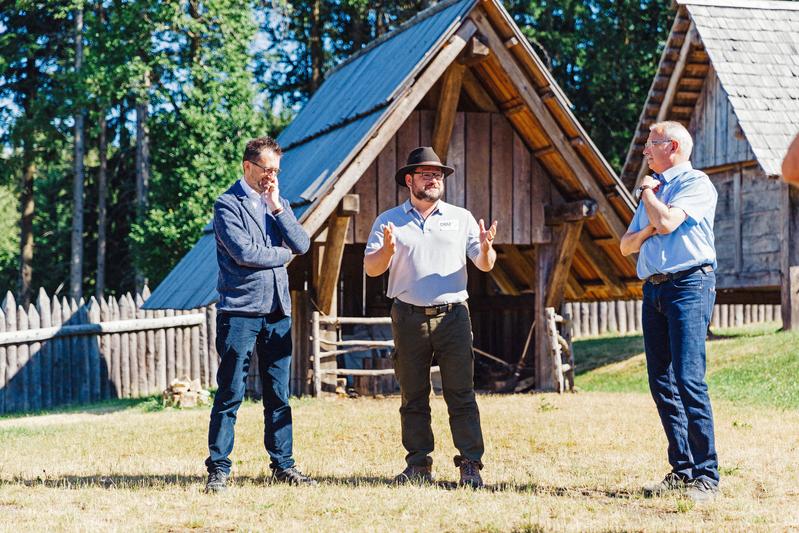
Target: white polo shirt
[429,265]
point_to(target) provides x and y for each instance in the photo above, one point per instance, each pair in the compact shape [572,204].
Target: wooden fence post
[23,355]
[46,350]
[12,397]
[34,392]
[94,352]
[4,392]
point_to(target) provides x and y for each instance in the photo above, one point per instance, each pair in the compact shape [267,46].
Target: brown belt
[657,279]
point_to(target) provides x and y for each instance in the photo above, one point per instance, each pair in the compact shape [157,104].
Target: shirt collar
[249,191]
[676,170]
[407,206]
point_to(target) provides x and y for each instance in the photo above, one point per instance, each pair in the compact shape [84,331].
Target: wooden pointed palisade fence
[61,352]
[624,316]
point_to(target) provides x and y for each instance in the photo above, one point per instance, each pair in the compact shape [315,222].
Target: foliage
[604,54]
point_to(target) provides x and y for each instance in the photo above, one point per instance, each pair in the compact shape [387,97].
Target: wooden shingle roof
[753,46]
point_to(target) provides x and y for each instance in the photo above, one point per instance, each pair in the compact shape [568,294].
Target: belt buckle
[431,311]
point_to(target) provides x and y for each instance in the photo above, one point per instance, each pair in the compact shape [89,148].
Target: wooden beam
[330,266]
[350,205]
[671,90]
[447,107]
[563,253]
[569,212]
[603,266]
[476,51]
[503,280]
[510,43]
[475,90]
[396,114]
[548,122]
[575,286]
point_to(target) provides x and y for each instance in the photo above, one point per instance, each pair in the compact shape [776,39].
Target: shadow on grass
[148,403]
[132,482]
[590,354]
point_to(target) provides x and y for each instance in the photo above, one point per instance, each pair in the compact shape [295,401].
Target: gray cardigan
[252,254]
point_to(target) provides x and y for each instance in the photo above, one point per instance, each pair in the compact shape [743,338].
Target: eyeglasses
[650,144]
[430,176]
[272,172]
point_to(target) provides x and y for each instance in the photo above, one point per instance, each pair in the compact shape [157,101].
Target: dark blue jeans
[236,337]
[675,319]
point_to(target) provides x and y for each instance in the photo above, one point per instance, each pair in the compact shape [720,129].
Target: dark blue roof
[337,119]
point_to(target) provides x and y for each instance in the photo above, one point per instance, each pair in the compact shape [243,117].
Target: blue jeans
[236,337]
[675,317]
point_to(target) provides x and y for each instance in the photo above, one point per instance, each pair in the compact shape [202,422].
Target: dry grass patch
[571,462]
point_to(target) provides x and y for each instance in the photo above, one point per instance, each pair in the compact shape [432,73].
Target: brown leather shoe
[470,472]
[415,474]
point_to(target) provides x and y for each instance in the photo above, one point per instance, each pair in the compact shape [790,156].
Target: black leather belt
[657,279]
[430,310]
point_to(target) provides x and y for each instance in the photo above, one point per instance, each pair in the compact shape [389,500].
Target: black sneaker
[702,490]
[671,483]
[217,482]
[470,472]
[292,476]
[415,474]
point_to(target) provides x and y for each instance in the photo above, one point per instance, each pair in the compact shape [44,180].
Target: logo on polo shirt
[448,225]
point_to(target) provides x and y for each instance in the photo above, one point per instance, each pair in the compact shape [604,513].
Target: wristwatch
[640,190]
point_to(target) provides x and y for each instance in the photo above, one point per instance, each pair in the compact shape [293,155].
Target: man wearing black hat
[423,243]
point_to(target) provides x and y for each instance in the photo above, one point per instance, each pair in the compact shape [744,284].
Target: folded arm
[294,235]
[231,231]
[665,218]
[632,241]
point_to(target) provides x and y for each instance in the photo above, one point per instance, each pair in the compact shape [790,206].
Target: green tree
[604,54]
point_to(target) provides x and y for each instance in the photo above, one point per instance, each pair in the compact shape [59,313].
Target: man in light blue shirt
[672,231]
[424,243]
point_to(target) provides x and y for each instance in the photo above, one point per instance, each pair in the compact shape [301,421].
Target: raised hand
[389,241]
[487,235]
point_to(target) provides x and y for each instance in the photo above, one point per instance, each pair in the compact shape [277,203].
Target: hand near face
[487,235]
[650,181]
[271,194]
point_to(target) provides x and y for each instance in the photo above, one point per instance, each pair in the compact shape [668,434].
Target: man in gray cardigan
[256,236]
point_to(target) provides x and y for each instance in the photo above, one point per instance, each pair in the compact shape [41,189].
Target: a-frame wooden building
[730,74]
[460,77]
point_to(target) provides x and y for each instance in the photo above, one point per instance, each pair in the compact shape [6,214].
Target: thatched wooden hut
[730,73]
[460,77]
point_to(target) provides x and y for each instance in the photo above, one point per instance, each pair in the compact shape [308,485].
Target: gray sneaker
[702,490]
[470,472]
[415,474]
[671,483]
[292,476]
[217,482]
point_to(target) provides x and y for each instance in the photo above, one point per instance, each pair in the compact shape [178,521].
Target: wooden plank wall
[746,228]
[495,176]
[718,139]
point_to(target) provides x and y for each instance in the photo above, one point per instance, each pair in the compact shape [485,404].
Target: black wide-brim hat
[424,156]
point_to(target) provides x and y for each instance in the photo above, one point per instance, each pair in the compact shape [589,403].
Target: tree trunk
[76,256]
[315,46]
[142,165]
[26,227]
[102,194]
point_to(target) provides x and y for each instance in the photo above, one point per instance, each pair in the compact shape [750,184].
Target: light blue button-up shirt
[692,243]
[429,264]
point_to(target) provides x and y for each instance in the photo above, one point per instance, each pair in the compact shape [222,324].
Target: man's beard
[432,194]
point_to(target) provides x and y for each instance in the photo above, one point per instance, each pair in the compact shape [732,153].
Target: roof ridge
[420,16]
[744,4]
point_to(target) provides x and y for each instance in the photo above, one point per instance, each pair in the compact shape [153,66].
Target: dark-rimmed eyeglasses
[430,176]
[272,172]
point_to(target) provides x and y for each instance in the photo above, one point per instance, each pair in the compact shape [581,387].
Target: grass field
[572,462]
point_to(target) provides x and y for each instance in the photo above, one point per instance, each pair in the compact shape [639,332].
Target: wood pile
[186,393]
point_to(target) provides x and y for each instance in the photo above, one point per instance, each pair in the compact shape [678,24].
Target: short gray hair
[676,131]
